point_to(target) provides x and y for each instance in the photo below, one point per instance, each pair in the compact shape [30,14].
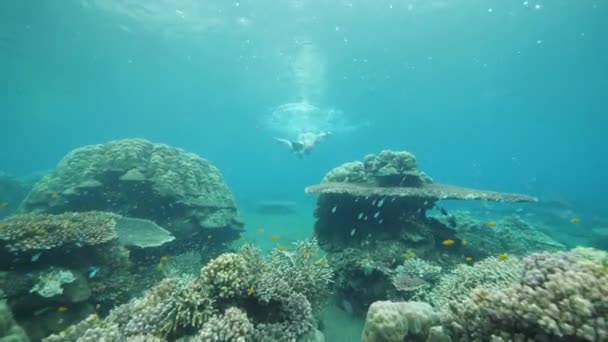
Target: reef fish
[250,291]
[261,230]
[503,257]
[36,256]
[468,259]
[448,242]
[274,238]
[62,309]
[575,220]
[490,224]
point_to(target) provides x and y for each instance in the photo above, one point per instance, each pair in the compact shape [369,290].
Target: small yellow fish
[463,243]
[468,259]
[321,262]
[54,195]
[160,266]
[164,258]
[3,205]
[62,309]
[491,224]
[98,306]
[209,237]
[274,238]
[281,249]
[503,257]
[306,254]
[250,291]
[447,242]
[261,230]
[575,220]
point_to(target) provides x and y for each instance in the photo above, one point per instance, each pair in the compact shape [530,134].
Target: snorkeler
[305,143]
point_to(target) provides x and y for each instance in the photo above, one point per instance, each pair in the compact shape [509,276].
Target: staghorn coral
[398,321]
[561,297]
[295,319]
[33,232]
[303,270]
[226,276]
[489,273]
[232,326]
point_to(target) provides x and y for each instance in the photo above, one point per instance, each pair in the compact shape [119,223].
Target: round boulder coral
[178,190]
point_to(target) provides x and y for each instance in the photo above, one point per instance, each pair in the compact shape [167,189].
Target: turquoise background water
[503,95]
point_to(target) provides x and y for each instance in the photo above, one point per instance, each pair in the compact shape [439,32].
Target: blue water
[502,95]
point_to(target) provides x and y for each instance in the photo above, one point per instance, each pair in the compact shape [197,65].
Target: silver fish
[36,256]
[380,202]
[333,210]
[360,216]
[352,232]
[376,214]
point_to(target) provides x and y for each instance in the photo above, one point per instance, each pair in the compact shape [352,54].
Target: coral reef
[237,297]
[560,296]
[398,321]
[27,233]
[489,273]
[50,283]
[415,275]
[180,191]
[511,234]
[232,326]
[226,276]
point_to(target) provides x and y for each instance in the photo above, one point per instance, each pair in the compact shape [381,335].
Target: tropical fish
[163,258]
[62,309]
[306,254]
[463,242]
[575,220]
[503,257]
[250,291]
[3,205]
[333,210]
[321,262]
[261,230]
[448,242]
[93,271]
[281,249]
[468,259]
[274,238]
[54,195]
[209,237]
[490,224]
[36,256]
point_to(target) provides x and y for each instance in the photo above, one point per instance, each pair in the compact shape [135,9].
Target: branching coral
[226,276]
[415,275]
[561,296]
[232,326]
[489,273]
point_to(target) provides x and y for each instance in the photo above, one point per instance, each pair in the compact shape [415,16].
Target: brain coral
[137,178]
